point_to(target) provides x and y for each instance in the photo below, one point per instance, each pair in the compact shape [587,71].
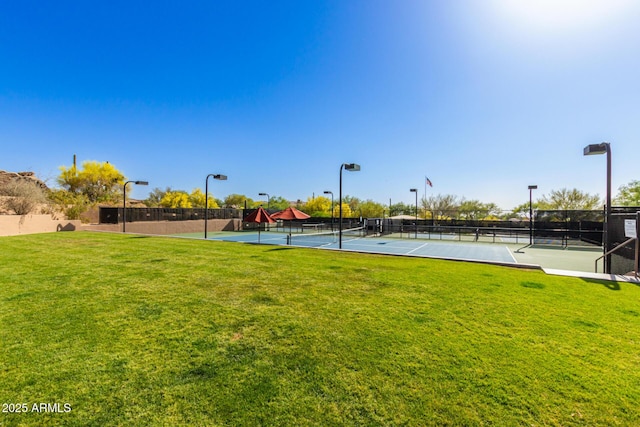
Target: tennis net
[325,238]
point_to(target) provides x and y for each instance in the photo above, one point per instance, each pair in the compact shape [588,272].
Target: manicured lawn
[132,330]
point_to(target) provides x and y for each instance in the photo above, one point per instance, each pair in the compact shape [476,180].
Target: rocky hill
[6,177]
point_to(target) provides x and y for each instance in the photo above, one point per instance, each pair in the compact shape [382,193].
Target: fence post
[635,267]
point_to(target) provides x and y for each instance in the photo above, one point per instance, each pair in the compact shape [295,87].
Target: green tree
[401,209]
[441,206]
[522,210]
[353,202]
[371,209]
[472,210]
[278,203]
[99,182]
[566,199]
[237,201]
[273,203]
[628,195]
[493,211]
[155,196]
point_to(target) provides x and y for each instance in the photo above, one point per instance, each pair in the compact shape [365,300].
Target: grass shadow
[609,284]
[279,249]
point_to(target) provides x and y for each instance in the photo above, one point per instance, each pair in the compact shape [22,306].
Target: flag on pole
[428,181]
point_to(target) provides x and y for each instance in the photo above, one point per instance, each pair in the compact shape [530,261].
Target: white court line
[511,255]
[419,247]
[352,239]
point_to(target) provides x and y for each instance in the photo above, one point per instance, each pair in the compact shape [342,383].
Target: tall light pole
[352,167]
[331,192]
[206,198]
[268,199]
[531,188]
[268,207]
[604,148]
[124,201]
[415,190]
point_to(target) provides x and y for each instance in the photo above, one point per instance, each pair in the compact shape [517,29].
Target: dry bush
[23,197]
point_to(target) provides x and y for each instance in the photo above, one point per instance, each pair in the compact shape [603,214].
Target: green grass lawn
[131,330]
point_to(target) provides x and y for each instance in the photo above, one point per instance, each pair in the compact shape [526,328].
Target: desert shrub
[72,204]
[23,197]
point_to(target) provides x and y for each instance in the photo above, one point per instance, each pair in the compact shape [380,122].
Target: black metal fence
[554,227]
[622,260]
[111,215]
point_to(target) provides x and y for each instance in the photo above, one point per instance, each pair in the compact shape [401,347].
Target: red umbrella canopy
[259,216]
[290,213]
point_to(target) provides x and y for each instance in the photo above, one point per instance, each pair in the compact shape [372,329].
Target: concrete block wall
[169,227]
[11,225]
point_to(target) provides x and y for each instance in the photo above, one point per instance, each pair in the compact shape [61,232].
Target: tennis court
[354,240]
[557,257]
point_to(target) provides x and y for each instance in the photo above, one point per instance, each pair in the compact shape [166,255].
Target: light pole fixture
[415,190]
[351,167]
[604,148]
[206,198]
[268,199]
[124,201]
[331,192]
[531,188]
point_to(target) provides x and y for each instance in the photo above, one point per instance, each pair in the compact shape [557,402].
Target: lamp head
[533,187]
[593,149]
[141,182]
[353,167]
[220,177]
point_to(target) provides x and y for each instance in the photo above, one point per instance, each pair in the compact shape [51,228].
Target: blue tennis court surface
[477,252]
[420,248]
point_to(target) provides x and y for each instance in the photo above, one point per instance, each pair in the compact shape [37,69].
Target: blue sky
[482,96]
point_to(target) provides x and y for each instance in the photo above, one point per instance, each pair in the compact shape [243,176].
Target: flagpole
[425,198]
[427,181]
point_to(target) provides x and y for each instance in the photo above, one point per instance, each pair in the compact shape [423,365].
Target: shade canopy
[259,216]
[289,214]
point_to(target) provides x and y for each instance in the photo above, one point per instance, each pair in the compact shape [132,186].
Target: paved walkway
[574,262]
[582,259]
[596,276]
